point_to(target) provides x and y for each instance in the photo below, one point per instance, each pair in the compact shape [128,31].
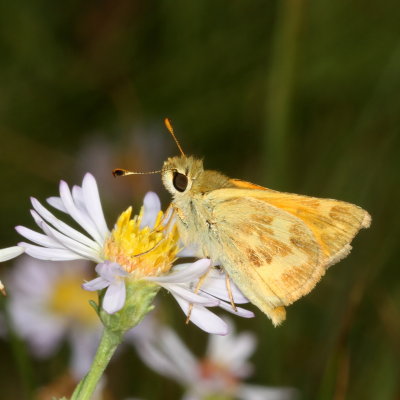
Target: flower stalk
[139,298]
[108,344]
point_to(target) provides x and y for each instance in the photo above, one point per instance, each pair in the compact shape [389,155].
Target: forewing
[333,223]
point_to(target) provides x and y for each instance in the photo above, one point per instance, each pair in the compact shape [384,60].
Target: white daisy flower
[218,374]
[138,248]
[47,306]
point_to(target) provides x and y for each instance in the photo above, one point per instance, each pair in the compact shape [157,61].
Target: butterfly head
[179,173]
[182,175]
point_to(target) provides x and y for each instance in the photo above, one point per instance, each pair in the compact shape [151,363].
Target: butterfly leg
[165,224]
[196,290]
[167,219]
[228,288]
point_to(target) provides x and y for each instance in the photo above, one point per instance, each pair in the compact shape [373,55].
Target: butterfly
[275,246]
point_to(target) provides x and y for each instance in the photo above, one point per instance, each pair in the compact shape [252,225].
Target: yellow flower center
[70,300]
[142,252]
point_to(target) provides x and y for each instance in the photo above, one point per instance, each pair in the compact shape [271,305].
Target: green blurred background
[300,96]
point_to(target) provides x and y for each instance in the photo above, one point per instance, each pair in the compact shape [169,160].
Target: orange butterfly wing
[276,246]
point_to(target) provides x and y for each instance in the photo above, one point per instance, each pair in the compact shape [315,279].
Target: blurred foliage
[299,96]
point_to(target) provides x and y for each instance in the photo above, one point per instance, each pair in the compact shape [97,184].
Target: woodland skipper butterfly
[275,246]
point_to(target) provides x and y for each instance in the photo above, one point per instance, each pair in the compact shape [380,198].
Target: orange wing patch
[247,185]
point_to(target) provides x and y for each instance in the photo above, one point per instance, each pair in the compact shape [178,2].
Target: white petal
[81,218]
[95,284]
[215,285]
[157,360]
[152,206]
[45,338]
[57,203]
[189,296]
[244,347]
[38,238]
[162,350]
[43,253]
[62,226]
[241,312]
[185,362]
[114,299]
[255,392]
[33,323]
[111,271]
[203,318]
[192,394]
[191,272]
[82,250]
[233,351]
[10,252]
[33,278]
[77,195]
[189,251]
[93,205]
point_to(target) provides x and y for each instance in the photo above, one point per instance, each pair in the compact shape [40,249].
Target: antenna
[123,172]
[168,125]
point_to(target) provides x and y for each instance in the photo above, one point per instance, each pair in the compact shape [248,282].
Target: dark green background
[300,96]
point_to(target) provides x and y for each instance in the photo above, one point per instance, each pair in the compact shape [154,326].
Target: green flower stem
[139,298]
[108,344]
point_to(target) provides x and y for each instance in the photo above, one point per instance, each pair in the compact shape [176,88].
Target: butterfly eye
[180,182]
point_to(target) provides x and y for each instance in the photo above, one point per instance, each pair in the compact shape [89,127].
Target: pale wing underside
[277,246]
[271,255]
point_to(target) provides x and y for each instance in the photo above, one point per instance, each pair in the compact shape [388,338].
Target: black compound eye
[180,182]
